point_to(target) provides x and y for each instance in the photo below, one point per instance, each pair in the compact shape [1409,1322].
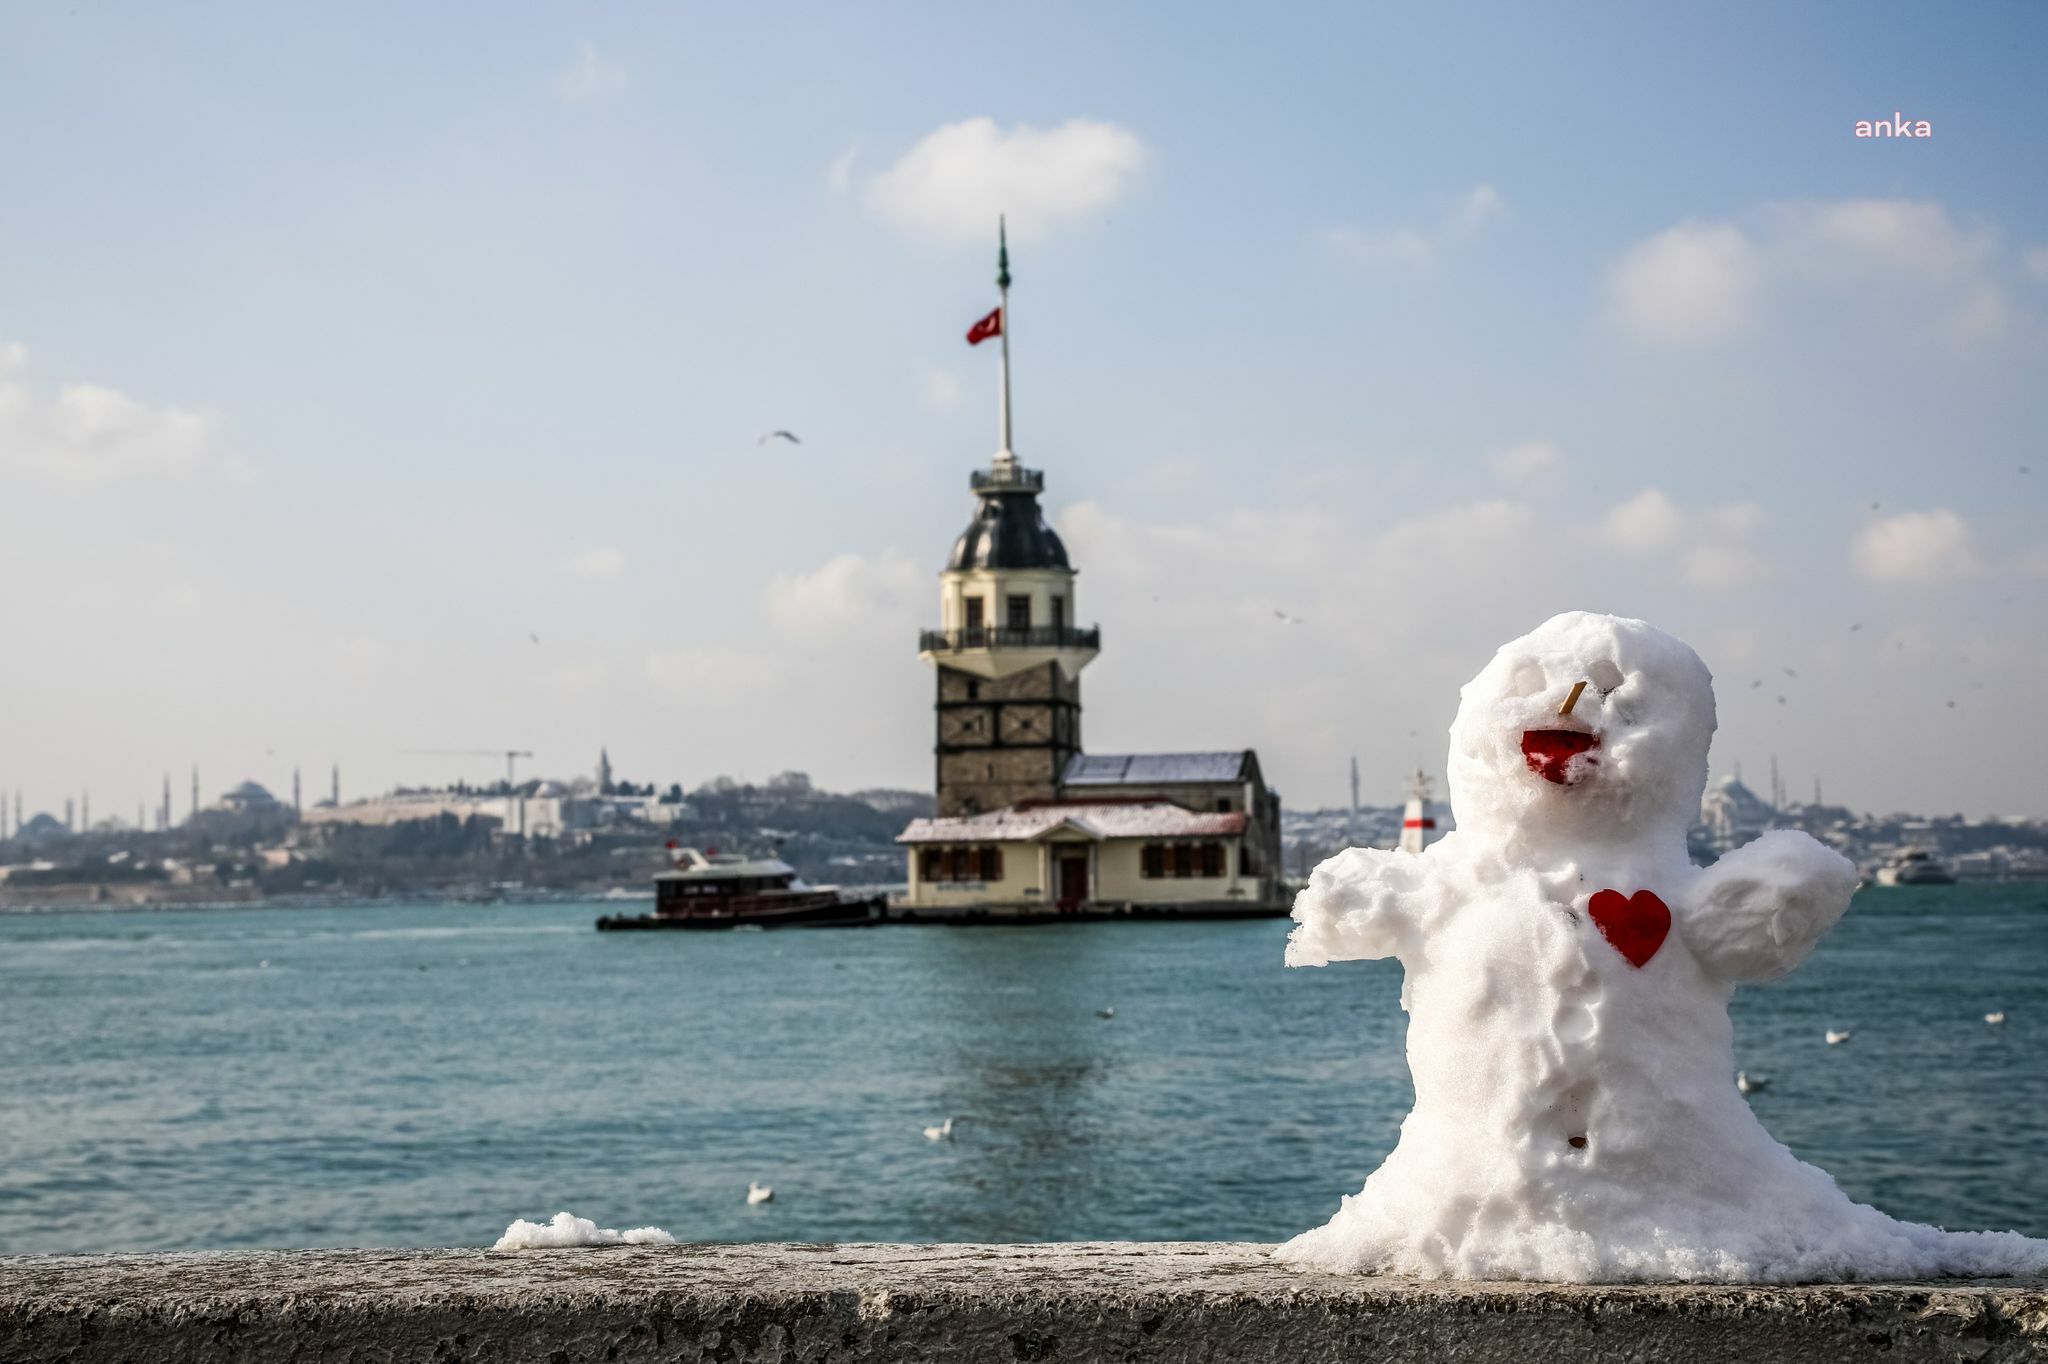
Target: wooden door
[1073,881]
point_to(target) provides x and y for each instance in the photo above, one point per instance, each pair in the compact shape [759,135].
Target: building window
[984,863]
[1181,861]
[1223,805]
[1019,613]
[974,689]
[1059,613]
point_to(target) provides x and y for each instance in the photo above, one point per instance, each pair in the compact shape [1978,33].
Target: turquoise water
[421,1075]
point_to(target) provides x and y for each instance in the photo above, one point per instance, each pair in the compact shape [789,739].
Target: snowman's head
[1627,758]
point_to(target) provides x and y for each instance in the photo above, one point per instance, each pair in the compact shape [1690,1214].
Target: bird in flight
[532,636]
[1286,619]
[789,436]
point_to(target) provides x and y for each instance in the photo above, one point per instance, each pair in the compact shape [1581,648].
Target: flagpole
[1004,455]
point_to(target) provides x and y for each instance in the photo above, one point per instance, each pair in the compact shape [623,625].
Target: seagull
[1857,626]
[943,1132]
[532,636]
[1106,1012]
[1995,1019]
[789,436]
[1286,619]
[1751,1084]
[1837,1038]
[758,1193]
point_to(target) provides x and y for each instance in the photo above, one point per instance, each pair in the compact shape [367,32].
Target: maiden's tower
[1028,824]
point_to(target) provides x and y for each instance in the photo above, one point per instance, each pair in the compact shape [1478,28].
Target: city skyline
[335,427]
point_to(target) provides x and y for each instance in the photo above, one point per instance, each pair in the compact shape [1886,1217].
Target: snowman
[1567,972]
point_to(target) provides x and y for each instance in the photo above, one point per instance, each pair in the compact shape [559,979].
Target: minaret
[195,789]
[85,812]
[1007,651]
[70,816]
[1351,830]
[334,786]
[164,815]
[604,772]
[1417,824]
[297,810]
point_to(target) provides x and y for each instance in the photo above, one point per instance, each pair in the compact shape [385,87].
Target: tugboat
[1914,867]
[713,890]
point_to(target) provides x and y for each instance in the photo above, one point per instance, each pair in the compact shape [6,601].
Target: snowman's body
[1567,977]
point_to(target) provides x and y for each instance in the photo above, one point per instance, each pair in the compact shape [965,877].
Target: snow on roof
[1152,769]
[1151,820]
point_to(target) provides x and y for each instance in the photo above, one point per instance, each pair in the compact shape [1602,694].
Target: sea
[422,1074]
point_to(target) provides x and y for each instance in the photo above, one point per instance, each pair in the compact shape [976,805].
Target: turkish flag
[992,325]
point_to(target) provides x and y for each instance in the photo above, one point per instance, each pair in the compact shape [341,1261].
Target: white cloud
[939,389]
[1916,547]
[1410,246]
[591,75]
[1401,246]
[1713,546]
[1644,524]
[1719,567]
[1706,282]
[91,434]
[1528,460]
[711,672]
[839,175]
[1479,206]
[597,562]
[1691,283]
[578,679]
[181,599]
[954,182]
[1736,518]
[850,592]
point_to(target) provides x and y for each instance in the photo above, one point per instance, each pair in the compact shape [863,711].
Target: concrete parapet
[954,1303]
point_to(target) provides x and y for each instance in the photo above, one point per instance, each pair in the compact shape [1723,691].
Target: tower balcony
[1014,479]
[999,651]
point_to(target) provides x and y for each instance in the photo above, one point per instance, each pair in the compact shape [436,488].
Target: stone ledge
[955,1303]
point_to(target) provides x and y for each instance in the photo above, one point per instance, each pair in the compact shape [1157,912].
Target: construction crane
[510,755]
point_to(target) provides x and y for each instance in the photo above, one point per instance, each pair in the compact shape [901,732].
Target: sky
[383,378]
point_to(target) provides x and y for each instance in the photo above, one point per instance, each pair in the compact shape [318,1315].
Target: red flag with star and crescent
[992,325]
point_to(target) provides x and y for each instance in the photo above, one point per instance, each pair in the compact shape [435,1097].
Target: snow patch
[567,1229]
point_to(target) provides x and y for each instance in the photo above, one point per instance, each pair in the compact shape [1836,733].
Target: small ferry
[713,890]
[1914,867]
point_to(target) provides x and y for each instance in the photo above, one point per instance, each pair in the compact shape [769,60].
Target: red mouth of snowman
[1549,753]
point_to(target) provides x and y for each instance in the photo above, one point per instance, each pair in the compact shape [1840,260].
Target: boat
[1914,867]
[714,890]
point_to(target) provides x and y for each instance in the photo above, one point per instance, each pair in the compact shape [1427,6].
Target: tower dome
[1008,529]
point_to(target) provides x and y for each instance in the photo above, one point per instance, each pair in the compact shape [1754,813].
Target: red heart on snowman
[1635,924]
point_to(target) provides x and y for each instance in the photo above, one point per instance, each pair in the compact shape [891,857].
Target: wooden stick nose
[1573,699]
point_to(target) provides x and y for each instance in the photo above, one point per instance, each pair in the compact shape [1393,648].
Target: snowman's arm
[1758,911]
[1358,905]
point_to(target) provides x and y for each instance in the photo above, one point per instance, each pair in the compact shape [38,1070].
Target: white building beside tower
[1027,823]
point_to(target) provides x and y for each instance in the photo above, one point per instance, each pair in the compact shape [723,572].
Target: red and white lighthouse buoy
[1418,826]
